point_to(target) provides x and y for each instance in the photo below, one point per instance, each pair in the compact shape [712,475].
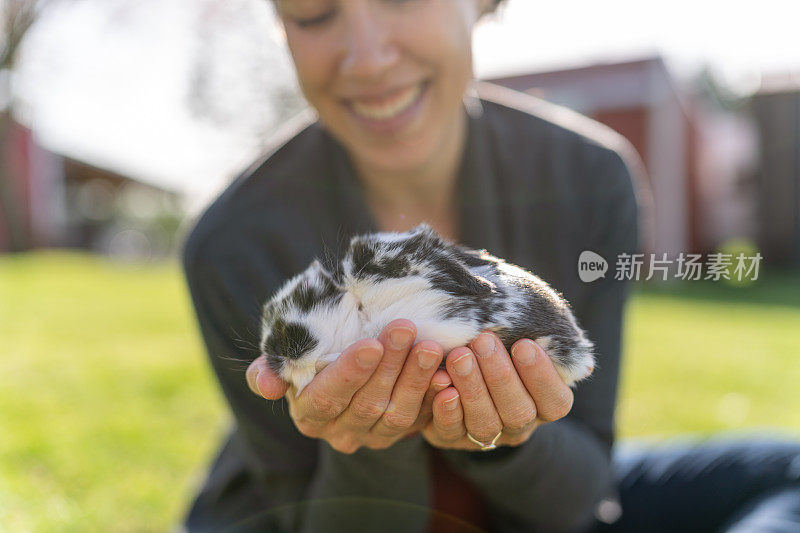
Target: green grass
[107,410]
[109,414]
[703,357]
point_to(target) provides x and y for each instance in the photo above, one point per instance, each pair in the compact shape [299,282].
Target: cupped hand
[375,393]
[494,393]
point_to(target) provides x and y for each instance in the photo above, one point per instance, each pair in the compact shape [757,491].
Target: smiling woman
[402,138]
[385,77]
[384,438]
[397,144]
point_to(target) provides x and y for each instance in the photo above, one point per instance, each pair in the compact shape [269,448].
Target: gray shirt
[537,186]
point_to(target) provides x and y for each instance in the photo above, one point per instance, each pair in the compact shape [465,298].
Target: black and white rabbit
[449,292]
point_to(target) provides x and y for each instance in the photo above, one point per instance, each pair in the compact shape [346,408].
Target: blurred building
[697,155]
[50,200]
[776,111]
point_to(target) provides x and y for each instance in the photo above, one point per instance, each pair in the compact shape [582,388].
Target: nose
[369,51]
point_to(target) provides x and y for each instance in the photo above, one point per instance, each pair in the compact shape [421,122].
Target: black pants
[720,485]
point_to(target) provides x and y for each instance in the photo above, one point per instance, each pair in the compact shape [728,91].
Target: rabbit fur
[450,293]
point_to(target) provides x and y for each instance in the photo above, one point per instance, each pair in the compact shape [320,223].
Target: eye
[317,20]
[400,2]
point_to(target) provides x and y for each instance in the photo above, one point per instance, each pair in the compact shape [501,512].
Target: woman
[381,436]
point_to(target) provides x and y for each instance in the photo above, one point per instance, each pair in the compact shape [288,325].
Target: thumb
[263,381]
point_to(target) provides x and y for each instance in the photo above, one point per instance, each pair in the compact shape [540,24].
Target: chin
[407,150]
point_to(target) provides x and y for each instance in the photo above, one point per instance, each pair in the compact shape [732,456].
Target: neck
[422,188]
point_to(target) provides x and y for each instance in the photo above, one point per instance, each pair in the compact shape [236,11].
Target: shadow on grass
[781,288]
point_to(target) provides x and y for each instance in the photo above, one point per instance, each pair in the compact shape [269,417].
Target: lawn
[107,410]
[108,413]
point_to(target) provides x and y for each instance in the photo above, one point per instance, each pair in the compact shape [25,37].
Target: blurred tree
[708,85]
[16,18]
[241,78]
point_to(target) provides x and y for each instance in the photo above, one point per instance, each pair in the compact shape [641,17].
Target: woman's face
[387,77]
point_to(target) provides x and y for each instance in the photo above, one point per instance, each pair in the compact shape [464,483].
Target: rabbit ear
[454,277]
[449,272]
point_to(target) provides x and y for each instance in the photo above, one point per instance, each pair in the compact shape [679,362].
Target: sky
[111,81]
[736,37]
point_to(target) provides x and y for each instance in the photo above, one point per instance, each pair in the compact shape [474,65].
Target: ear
[465,282]
[454,276]
[451,274]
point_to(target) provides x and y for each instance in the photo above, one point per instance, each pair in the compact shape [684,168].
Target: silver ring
[484,446]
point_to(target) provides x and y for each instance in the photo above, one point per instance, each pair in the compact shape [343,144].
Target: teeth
[389,108]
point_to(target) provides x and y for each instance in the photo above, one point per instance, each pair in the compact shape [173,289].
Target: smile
[389,107]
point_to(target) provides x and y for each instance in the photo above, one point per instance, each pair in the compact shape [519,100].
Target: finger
[252,372]
[371,401]
[480,416]
[263,381]
[397,338]
[440,381]
[330,392]
[553,398]
[448,417]
[409,391]
[509,395]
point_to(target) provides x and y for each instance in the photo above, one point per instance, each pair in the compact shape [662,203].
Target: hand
[493,392]
[375,393]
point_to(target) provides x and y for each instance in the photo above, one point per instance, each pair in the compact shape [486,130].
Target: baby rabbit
[449,292]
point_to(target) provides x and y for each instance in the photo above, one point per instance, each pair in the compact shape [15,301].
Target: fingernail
[451,404]
[367,357]
[426,359]
[400,337]
[524,352]
[258,385]
[438,387]
[484,345]
[463,365]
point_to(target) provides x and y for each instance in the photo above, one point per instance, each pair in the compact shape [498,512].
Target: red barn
[50,200]
[672,133]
